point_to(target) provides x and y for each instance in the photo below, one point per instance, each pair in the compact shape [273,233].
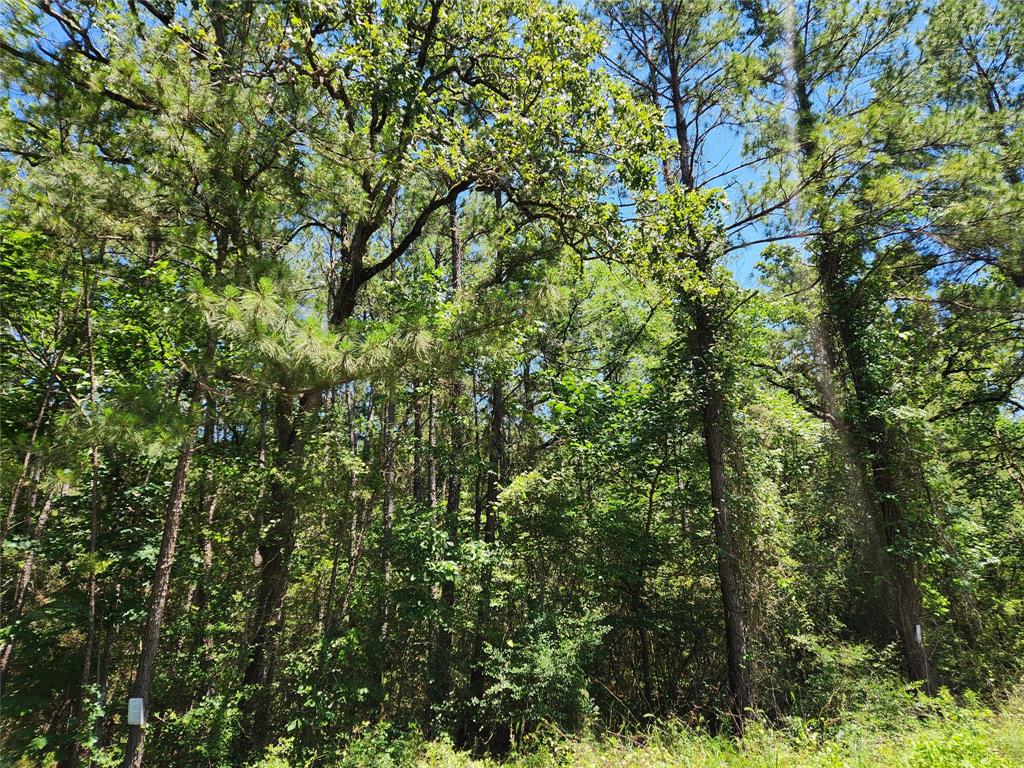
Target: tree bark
[26,465]
[358,523]
[418,483]
[441,679]
[389,445]
[208,497]
[431,448]
[846,325]
[23,585]
[869,427]
[713,412]
[274,554]
[103,675]
[478,676]
[489,503]
[713,427]
[37,426]
[76,749]
[158,595]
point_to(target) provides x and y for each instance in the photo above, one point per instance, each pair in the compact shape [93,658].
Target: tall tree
[687,59]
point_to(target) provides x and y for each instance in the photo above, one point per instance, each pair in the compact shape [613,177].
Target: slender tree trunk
[708,373]
[91,589]
[274,555]
[496,462]
[9,593]
[643,643]
[355,559]
[389,445]
[259,504]
[455,241]
[495,468]
[418,484]
[441,682]
[713,426]
[431,449]
[161,584]
[441,687]
[23,585]
[357,524]
[103,675]
[639,608]
[26,468]
[76,749]
[327,612]
[37,426]
[158,594]
[208,498]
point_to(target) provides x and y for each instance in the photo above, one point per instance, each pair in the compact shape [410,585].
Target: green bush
[201,736]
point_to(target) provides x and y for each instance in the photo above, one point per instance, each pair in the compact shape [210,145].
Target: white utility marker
[136,715]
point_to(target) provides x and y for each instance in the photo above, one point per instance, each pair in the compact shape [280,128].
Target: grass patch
[933,733]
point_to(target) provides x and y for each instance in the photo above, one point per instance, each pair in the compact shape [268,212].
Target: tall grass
[930,733]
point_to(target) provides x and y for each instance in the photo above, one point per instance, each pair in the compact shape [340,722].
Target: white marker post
[917,633]
[136,712]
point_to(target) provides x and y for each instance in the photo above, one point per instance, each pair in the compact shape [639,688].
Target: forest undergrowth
[900,730]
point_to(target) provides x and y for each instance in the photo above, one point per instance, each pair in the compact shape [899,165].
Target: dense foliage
[467,371]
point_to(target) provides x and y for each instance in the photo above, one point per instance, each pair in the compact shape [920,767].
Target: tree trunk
[23,585]
[708,374]
[869,427]
[418,484]
[274,555]
[431,449]
[389,446]
[640,610]
[441,682]
[103,675]
[489,503]
[496,461]
[844,318]
[37,426]
[26,467]
[358,523]
[76,748]
[713,427]
[158,595]
[208,498]
[441,679]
